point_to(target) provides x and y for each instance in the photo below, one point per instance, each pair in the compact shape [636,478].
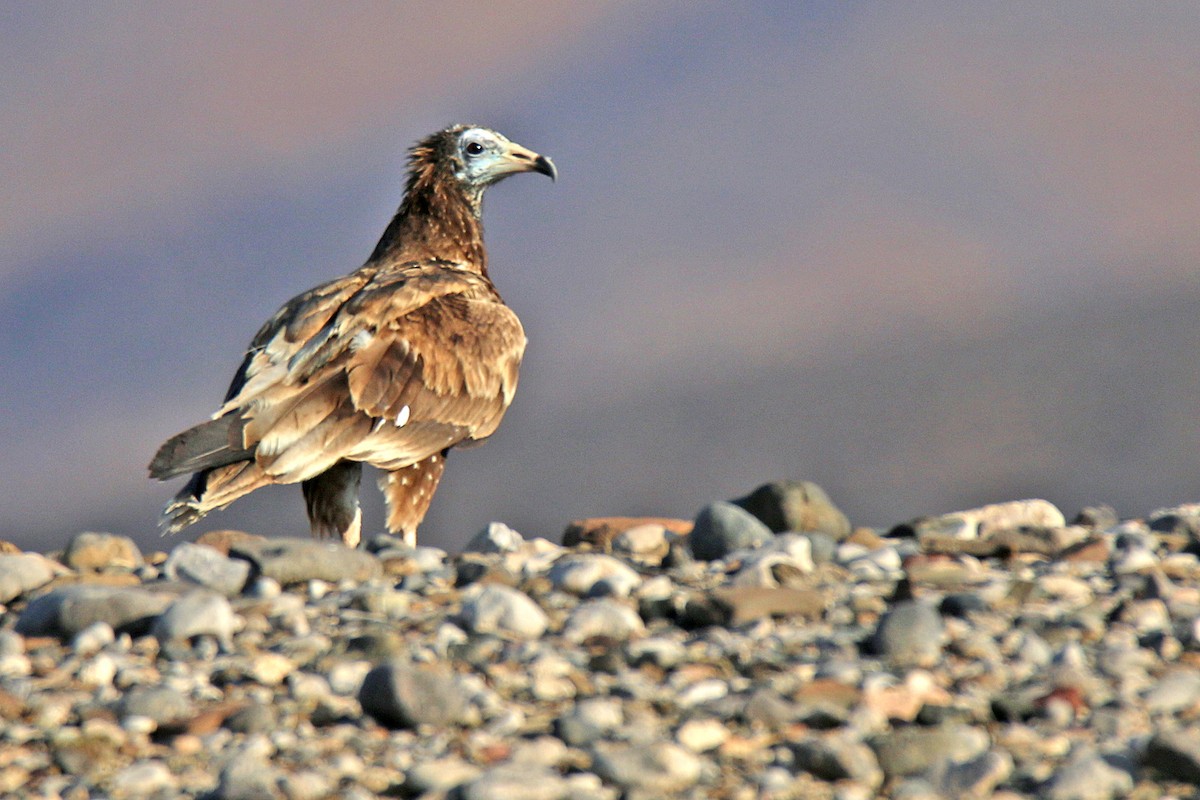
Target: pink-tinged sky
[926,254]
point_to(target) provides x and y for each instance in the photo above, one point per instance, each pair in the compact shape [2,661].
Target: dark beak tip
[546,167]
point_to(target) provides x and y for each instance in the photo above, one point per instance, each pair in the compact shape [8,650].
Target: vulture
[391,365]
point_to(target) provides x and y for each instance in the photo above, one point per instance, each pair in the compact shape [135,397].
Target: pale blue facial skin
[486,156]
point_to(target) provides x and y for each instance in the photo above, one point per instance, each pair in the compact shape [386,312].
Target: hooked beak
[520,159]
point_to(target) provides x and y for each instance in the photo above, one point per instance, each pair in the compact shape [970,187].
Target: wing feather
[326,379]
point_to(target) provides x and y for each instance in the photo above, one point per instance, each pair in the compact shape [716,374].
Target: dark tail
[207,445]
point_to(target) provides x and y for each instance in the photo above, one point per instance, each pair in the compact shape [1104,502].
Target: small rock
[69,609]
[143,779]
[771,568]
[168,707]
[979,523]
[607,618]
[977,777]
[702,735]
[659,651]
[702,692]
[601,531]
[291,561]
[98,671]
[502,610]
[594,575]
[517,782]
[1174,692]
[767,708]
[722,528]
[1098,518]
[836,758]
[661,767]
[441,775]
[911,633]
[1087,776]
[226,540]
[589,720]
[1175,754]
[401,695]
[93,639]
[208,568]
[14,663]
[796,506]
[495,538]
[647,543]
[248,776]
[909,751]
[96,551]
[24,572]
[736,605]
[254,718]
[197,613]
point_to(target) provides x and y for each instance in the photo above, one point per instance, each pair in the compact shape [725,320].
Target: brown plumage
[391,365]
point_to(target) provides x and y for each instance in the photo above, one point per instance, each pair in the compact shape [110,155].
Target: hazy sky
[770,193]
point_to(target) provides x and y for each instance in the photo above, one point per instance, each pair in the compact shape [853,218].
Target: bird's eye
[474,148]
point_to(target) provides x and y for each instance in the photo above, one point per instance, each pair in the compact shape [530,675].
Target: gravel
[991,652]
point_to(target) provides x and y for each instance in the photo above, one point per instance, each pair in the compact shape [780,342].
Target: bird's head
[478,157]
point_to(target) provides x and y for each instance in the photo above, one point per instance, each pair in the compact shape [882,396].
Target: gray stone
[979,523]
[909,751]
[248,776]
[822,545]
[201,564]
[721,528]
[517,782]
[441,775]
[502,610]
[1087,776]
[96,551]
[835,758]
[592,575]
[292,561]
[402,695]
[197,613]
[24,572]
[254,718]
[772,568]
[168,707]
[661,767]
[144,779]
[605,618]
[646,543]
[69,609]
[976,777]
[911,633]
[736,605]
[589,721]
[1174,692]
[1175,754]
[93,639]
[660,651]
[768,708]
[796,506]
[495,538]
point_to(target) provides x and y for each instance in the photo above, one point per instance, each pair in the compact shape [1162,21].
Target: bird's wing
[388,368]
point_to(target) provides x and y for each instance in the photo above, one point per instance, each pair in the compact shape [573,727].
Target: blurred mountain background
[928,255]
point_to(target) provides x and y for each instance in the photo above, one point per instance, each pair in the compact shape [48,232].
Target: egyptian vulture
[391,365]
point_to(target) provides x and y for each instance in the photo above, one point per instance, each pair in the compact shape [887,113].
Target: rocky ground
[763,650]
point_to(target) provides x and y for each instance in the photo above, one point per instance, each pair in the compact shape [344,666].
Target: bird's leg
[332,501]
[408,492]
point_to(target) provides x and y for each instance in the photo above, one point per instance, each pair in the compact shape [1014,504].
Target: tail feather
[210,490]
[211,444]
